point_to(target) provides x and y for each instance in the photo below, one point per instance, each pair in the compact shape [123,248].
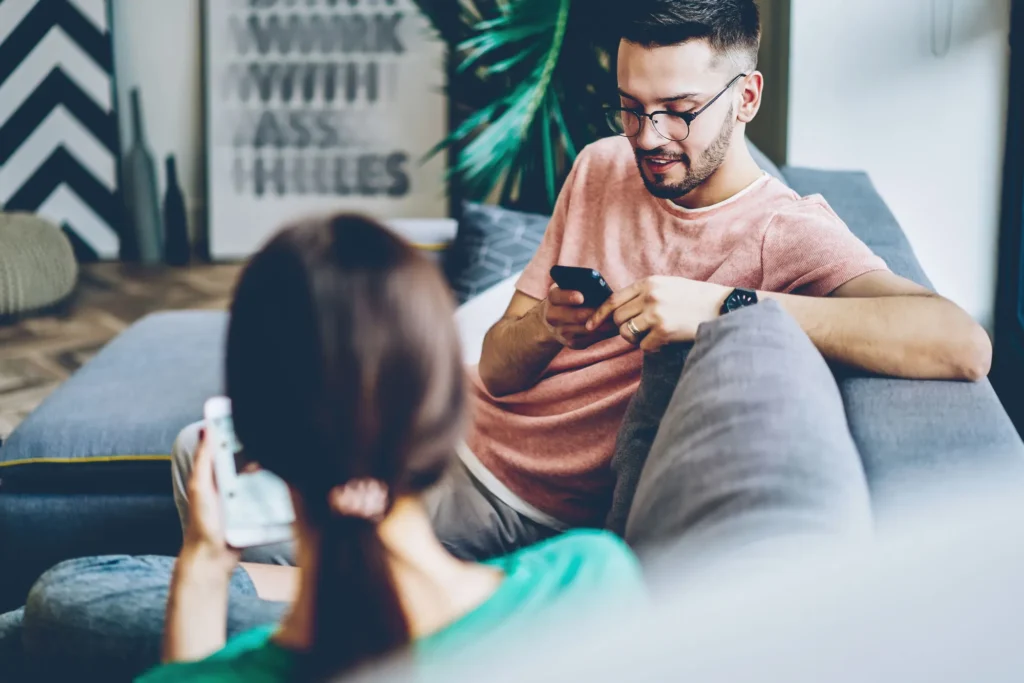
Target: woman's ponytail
[358,615]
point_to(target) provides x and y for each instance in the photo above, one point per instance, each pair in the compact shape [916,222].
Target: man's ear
[750,97]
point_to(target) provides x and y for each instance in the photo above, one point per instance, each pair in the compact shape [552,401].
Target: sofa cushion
[492,244]
[110,426]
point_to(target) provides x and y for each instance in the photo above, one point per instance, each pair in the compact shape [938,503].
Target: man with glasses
[682,223]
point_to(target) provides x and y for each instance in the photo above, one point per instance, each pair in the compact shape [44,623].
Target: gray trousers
[753,451]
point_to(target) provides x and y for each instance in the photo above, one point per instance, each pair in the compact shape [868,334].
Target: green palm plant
[527,86]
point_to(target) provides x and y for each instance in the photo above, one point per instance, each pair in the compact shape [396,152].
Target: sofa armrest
[913,432]
[909,431]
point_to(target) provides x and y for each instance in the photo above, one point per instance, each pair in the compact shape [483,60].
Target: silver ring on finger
[631,326]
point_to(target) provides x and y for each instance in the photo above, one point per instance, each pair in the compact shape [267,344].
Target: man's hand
[565,317]
[661,309]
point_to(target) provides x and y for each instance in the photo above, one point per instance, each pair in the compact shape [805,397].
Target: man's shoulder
[813,209]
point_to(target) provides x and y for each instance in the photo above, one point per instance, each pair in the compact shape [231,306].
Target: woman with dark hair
[345,376]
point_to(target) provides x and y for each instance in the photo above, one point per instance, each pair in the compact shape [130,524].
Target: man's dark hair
[730,26]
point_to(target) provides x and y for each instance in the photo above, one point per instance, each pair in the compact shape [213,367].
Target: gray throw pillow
[492,244]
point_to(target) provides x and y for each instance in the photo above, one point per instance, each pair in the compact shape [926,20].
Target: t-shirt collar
[672,207]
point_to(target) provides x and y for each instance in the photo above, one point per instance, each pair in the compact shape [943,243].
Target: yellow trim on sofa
[91,458]
[436,246]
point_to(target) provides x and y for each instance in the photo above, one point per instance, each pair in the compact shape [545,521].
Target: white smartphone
[257,506]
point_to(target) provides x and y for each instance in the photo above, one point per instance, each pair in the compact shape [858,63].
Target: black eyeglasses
[671,125]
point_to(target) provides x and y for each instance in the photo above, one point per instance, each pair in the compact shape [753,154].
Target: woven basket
[37,265]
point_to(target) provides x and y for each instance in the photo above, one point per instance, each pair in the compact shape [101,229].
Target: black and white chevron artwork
[59,145]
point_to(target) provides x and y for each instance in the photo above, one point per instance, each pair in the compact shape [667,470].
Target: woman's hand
[197,604]
[204,537]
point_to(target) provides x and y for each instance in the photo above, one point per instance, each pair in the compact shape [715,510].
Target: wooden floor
[38,353]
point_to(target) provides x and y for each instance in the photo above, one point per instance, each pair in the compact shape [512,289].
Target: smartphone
[587,281]
[257,505]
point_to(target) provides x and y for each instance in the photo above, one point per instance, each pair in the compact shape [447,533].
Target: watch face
[745,297]
[740,298]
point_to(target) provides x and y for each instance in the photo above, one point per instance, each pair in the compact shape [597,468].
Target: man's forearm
[516,352]
[919,337]
[197,610]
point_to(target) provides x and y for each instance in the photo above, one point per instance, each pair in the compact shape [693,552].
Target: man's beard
[697,172]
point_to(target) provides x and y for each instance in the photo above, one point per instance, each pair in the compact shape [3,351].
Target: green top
[577,569]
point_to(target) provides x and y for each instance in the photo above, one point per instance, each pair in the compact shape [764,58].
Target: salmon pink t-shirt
[551,445]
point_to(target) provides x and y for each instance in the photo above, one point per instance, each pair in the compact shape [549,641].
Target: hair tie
[362,498]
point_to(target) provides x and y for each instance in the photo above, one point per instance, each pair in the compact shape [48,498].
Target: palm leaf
[525,93]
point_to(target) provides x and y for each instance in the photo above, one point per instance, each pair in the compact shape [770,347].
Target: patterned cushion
[493,243]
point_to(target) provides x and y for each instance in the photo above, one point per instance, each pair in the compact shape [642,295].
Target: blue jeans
[105,615]
[753,452]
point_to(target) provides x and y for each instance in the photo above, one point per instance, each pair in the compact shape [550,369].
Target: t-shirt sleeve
[536,279]
[808,249]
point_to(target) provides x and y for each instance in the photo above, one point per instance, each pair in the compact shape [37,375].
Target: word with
[306,83]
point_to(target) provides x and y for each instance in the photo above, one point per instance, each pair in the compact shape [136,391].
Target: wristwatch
[737,299]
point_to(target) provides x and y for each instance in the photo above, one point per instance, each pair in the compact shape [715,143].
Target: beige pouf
[37,265]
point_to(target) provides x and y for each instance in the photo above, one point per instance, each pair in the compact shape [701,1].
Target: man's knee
[184,449]
[182,453]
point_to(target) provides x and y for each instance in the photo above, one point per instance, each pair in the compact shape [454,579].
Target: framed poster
[321,105]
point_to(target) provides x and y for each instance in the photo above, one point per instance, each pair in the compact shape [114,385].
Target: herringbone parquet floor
[38,353]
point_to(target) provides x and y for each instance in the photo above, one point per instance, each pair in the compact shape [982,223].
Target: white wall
[867,92]
[157,47]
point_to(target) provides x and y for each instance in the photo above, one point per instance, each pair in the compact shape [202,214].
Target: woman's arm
[197,604]
[197,608]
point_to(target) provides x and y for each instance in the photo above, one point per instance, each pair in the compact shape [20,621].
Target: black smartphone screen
[587,281]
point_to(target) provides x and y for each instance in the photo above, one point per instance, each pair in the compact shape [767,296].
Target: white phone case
[257,505]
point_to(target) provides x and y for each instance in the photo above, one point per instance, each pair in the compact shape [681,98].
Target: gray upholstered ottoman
[88,472]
